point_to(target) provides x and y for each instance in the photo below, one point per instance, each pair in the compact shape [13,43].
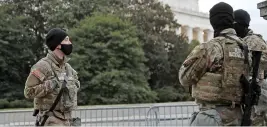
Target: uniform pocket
[230,116]
[76,121]
[206,118]
[70,98]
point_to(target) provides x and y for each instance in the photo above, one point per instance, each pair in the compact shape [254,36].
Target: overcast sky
[257,24]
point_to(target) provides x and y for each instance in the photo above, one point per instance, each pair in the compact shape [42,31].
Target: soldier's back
[219,92]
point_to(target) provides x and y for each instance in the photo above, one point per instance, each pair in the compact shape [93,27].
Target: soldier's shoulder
[229,39]
[215,43]
[42,65]
[223,39]
[255,43]
[252,34]
[214,40]
[70,67]
[205,48]
[254,38]
[200,47]
[41,69]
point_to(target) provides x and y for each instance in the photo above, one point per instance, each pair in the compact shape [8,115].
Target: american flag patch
[38,74]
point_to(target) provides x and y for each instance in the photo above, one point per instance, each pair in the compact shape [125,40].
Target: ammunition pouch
[35,112]
[76,121]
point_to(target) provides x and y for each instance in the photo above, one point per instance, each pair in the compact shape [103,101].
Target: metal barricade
[172,115]
[113,116]
[152,116]
[158,114]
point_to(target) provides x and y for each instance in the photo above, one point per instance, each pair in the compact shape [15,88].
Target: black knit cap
[221,8]
[242,17]
[54,37]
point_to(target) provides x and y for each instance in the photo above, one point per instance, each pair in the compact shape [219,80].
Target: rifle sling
[63,87]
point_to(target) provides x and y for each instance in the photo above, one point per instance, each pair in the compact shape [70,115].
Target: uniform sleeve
[75,75]
[77,82]
[36,85]
[196,64]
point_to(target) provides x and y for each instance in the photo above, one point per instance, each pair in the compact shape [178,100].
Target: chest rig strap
[62,90]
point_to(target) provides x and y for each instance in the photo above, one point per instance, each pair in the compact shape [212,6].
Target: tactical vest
[68,100]
[223,87]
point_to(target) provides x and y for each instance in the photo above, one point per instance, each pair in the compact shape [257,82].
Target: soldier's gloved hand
[256,94]
[51,84]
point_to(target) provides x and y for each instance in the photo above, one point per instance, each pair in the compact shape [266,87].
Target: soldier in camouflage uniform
[255,42]
[46,77]
[213,70]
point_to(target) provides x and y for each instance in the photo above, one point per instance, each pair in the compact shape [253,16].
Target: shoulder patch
[38,74]
[40,69]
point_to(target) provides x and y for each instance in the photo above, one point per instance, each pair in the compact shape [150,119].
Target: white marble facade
[195,24]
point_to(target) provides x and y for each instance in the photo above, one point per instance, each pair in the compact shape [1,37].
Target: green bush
[20,104]
[4,103]
[172,94]
[193,44]
[167,94]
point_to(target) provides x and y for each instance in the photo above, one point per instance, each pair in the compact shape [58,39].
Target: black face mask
[66,48]
[220,22]
[241,30]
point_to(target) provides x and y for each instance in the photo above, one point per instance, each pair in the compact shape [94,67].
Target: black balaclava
[242,20]
[221,17]
[54,37]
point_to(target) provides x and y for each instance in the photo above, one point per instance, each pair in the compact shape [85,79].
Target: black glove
[256,94]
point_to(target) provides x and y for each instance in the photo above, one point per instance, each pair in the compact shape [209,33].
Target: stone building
[195,24]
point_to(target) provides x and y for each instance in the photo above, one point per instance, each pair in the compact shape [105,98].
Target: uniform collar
[228,31]
[250,32]
[52,56]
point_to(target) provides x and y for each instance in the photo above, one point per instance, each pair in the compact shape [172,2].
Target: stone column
[210,34]
[200,35]
[179,31]
[189,33]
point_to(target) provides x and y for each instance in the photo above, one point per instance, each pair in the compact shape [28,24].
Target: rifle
[251,89]
[35,112]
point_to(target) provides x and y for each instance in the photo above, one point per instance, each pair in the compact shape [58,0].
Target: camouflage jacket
[255,42]
[213,69]
[203,57]
[44,83]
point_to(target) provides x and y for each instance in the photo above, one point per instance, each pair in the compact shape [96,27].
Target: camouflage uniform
[213,70]
[43,85]
[256,43]
[260,111]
